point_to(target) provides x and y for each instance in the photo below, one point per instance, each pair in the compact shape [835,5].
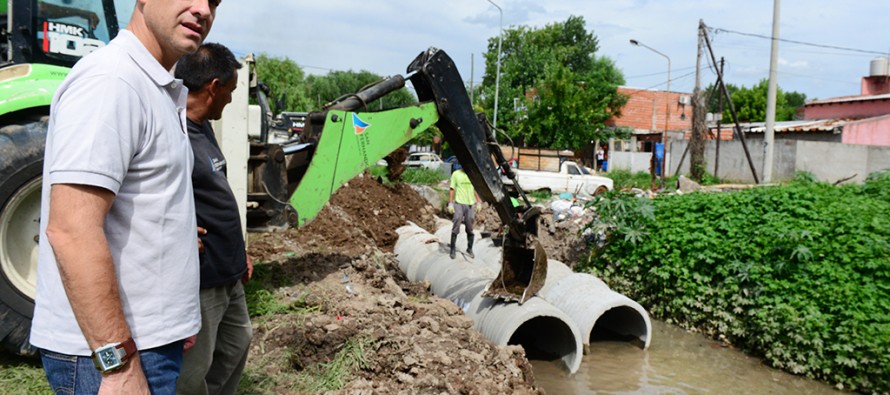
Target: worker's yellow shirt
[463,188]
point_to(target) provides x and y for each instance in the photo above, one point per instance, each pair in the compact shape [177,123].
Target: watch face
[109,357]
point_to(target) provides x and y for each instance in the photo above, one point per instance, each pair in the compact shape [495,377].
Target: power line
[631,93]
[660,73]
[720,30]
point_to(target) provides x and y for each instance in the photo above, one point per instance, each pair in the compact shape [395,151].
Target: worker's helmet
[456,166]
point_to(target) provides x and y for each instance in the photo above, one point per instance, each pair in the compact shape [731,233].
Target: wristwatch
[113,356]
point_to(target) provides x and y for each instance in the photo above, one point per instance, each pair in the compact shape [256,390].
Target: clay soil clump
[332,313]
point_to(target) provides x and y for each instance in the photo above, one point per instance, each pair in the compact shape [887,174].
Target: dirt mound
[362,213]
[341,304]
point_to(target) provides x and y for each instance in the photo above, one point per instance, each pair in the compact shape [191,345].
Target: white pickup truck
[571,178]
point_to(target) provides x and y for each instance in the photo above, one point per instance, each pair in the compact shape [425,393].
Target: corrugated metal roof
[834,126]
[848,99]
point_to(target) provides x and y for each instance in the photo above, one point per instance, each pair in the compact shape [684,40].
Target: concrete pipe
[543,330]
[598,311]
[483,248]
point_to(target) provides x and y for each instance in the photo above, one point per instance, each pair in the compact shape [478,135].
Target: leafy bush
[422,175]
[797,274]
[540,195]
[412,175]
[624,180]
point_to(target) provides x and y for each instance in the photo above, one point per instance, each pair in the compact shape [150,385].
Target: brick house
[645,113]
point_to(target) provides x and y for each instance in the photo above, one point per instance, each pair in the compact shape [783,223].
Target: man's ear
[213,87]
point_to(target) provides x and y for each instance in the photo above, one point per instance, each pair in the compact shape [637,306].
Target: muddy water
[677,362]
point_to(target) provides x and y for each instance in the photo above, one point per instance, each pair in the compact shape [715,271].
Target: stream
[677,362]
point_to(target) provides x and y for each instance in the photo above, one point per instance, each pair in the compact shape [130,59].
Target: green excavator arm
[350,142]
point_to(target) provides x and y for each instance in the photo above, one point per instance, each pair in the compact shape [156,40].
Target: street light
[497,77]
[667,106]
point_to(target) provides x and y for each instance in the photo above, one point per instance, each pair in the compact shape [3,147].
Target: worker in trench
[462,203]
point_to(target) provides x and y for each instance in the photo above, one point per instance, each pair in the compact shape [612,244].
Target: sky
[384,36]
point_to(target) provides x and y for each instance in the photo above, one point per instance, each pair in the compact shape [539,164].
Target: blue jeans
[71,374]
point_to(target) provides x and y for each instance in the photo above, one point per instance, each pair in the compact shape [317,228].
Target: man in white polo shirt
[117,275]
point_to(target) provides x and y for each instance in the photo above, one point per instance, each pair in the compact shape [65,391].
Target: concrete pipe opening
[598,312]
[545,338]
[622,323]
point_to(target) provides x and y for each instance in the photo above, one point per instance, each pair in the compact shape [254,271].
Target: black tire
[21,166]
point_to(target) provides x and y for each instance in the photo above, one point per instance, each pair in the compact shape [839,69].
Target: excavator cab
[341,141]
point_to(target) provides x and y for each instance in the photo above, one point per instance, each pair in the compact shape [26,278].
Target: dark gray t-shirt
[224,259]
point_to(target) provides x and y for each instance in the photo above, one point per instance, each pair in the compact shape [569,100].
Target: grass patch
[334,375]
[263,301]
[257,378]
[625,180]
[539,195]
[422,175]
[19,375]
[412,175]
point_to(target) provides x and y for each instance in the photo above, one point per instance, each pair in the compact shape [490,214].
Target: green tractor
[39,41]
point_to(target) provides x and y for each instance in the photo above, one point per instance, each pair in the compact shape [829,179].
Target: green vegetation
[625,179]
[540,195]
[335,374]
[422,176]
[750,103]
[22,376]
[564,91]
[293,90]
[262,300]
[797,274]
[411,175]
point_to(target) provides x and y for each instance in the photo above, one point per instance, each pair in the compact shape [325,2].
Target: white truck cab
[572,178]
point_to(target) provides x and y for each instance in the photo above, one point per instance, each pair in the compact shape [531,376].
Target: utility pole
[719,125]
[769,135]
[497,77]
[472,71]
[699,109]
[735,119]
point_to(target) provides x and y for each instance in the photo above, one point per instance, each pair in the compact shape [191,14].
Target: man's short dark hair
[210,61]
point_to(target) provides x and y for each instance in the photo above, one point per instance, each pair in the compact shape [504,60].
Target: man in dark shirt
[215,363]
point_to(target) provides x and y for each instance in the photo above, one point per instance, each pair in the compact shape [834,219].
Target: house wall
[827,161]
[645,110]
[854,109]
[872,131]
[876,85]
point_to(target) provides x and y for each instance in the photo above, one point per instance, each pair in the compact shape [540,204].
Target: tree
[335,84]
[285,79]
[563,92]
[750,103]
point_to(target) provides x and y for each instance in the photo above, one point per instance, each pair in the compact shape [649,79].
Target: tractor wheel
[21,166]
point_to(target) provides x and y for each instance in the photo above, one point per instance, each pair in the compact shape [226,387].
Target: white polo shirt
[118,122]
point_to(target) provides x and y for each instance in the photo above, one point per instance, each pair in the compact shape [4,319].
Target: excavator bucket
[523,271]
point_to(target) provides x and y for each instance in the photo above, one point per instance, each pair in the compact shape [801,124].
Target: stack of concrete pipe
[560,321]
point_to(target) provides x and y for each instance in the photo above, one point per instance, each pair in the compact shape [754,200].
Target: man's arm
[75,231]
